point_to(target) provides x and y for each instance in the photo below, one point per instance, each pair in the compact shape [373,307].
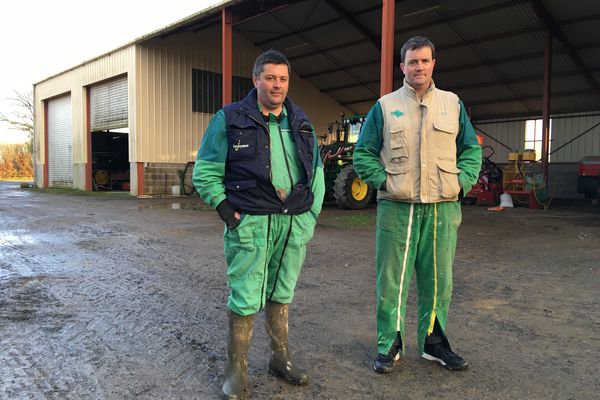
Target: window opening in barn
[207,90]
[533,137]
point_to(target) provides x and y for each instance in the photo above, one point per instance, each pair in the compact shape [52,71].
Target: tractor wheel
[349,191]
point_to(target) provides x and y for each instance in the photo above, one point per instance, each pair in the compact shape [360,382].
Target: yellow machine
[522,180]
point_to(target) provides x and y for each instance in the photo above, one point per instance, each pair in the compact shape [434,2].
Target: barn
[132,119]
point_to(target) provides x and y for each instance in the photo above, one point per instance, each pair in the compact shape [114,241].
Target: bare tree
[22,117]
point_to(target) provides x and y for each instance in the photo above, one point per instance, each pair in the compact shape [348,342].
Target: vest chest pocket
[398,155]
[242,142]
[445,131]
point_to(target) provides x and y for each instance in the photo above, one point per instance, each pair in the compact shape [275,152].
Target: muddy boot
[280,363]
[236,375]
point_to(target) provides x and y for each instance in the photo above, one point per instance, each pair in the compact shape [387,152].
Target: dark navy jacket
[248,168]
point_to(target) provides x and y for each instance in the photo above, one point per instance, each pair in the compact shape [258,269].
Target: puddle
[173,206]
[13,189]
[10,239]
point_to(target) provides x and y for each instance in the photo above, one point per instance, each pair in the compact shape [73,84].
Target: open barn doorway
[110,160]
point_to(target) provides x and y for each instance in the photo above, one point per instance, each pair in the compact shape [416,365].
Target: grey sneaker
[385,364]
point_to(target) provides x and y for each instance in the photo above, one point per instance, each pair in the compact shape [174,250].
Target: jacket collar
[249,105]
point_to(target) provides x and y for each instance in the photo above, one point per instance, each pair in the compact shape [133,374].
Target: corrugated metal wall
[511,134]
[564,129]
[75,81]
[168,130]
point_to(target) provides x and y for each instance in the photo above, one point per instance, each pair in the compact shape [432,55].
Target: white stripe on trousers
[407,247]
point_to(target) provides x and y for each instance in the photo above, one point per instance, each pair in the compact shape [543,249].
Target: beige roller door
[60,142]
[108,105]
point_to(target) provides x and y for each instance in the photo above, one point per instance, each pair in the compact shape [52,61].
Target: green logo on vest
[397,113]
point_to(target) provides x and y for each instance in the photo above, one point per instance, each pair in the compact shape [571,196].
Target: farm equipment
[341,181]
[588,181]
[522,180]
[488,188]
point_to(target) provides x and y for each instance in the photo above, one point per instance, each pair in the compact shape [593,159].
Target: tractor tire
[349,191]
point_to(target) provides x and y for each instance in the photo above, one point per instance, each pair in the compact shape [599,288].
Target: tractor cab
[341,181]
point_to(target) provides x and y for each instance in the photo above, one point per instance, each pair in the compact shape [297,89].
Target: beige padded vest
[419,145]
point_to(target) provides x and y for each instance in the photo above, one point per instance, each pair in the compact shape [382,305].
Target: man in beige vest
[418,147]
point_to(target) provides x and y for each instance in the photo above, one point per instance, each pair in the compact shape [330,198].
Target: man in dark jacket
[259,166]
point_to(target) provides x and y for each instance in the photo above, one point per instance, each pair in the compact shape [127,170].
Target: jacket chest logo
[237,146]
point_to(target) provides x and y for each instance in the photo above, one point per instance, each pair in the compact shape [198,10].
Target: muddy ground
[112,297]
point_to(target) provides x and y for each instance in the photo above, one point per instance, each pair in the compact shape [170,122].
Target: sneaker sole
[443,364]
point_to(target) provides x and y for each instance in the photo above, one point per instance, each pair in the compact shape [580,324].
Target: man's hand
[228,214]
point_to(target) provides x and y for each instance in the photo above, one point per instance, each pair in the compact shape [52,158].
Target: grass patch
[78,192]
[19,179]
[355,219]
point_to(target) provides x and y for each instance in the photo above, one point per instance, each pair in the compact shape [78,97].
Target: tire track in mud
[119,322]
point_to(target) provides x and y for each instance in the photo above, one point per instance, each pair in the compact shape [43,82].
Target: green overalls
[421,238]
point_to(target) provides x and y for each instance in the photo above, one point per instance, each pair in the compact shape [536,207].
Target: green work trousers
[264,256]
[419,237]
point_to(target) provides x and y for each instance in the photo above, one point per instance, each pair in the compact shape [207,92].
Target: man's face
[418,68]
[272,86]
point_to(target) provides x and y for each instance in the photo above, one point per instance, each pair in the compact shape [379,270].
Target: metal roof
[489,52]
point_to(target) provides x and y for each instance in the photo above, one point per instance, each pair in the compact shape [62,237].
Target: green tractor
[341,181]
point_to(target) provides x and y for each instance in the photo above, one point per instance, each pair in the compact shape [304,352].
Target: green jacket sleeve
[468,157]
[366,153]
[318,183]
[209,170]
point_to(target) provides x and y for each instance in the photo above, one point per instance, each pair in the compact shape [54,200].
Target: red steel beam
[46,172]
[88,130]
[387,47]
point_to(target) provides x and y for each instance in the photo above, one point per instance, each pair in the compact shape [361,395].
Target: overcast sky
[40,38]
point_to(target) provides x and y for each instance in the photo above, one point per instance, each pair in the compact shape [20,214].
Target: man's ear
[255,81]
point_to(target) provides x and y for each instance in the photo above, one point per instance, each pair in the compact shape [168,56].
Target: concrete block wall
[159,178]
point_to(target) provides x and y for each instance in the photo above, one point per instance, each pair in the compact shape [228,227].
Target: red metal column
[387,47]
[46,178]
[226,51]
[140,178]
[546,103]
[88,164]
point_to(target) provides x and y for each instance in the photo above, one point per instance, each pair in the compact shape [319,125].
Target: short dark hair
[415,43]
[269,57]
